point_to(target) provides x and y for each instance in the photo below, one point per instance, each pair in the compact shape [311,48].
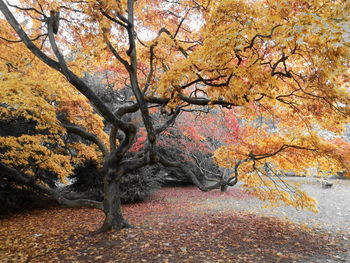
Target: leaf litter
[168,228]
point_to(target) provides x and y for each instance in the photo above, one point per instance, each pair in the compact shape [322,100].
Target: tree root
[116,227]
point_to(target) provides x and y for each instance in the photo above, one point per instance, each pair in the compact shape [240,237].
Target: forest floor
[186,225]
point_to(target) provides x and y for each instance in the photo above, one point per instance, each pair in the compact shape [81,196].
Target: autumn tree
[193,139]
[285,62]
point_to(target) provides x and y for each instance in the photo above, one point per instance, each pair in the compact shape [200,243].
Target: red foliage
[138,145]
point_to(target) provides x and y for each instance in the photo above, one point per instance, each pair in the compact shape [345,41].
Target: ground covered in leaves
[176,225]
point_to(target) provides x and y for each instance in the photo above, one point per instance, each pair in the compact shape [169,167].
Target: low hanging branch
[205,188]
[257,157]
[30,181]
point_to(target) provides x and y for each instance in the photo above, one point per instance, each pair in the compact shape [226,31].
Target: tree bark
[223,188]
[112,204]
[112,208]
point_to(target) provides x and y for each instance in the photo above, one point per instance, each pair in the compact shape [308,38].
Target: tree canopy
[278,71]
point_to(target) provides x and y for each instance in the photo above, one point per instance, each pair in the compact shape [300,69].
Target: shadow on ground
[176,225]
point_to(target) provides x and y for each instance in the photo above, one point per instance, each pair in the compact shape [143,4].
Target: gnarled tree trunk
[112,207]
[112,203]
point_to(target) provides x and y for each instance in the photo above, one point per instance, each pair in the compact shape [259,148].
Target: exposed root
[116,227]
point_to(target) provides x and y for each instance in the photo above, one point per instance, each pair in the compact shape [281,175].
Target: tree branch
[193,177]
[195,101]
[151,70]
[120,113]
[169,122]
[282,148]
[19,41]
[115,53]
[133,76]
[180,24]
[113,19]
[133,164]
[29,181]
[26,9]
[26,40]
[261,36]
[86,135]
[128,128]
[71,77]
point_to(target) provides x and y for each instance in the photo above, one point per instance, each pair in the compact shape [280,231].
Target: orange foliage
[283,66]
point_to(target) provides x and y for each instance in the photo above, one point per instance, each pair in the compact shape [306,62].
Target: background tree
[285,62]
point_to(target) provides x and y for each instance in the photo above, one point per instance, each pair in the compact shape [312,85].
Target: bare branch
[169,122]
[26,9]
[116,54]
[180,24]
[282,148]
[286,74]
[20,41]
[113,19]
[260,36]
[86,135]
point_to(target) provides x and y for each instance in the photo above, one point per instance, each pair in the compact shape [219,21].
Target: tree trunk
[223,188]
[112,205]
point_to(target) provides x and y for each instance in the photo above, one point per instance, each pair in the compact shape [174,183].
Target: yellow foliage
[36,97]
[283,64]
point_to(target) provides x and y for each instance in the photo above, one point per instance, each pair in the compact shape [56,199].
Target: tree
[280,62]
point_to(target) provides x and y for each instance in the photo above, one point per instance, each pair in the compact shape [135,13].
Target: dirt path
[333,205]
